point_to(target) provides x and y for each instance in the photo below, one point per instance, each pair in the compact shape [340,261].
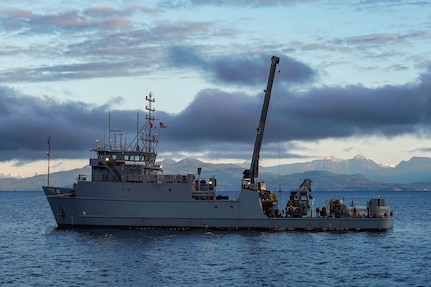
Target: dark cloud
[237,69]
[216,118]
[26,123]
[217,123]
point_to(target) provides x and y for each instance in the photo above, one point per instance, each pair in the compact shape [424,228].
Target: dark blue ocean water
[34,253]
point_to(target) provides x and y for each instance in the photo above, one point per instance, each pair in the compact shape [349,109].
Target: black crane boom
[253,173]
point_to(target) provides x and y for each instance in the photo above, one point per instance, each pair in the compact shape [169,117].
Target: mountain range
[417,169]
[333,174]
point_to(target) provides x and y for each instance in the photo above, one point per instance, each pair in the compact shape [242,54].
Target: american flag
[162,125]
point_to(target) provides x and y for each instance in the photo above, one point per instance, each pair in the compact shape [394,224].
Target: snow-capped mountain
[417,169]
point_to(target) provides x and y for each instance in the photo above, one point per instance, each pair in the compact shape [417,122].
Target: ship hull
[140,209]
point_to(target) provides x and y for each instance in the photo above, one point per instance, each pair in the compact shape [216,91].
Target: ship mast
[253,173]
[150,140]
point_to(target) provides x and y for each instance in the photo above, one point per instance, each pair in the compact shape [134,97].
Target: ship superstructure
[136,163]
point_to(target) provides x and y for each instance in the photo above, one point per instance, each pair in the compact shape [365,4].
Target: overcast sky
[354,78]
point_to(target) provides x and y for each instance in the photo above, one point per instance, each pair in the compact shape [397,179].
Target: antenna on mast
[137,131]
[49,155]
[109,130]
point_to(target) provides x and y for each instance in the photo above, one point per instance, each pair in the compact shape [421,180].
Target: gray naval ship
[128,189]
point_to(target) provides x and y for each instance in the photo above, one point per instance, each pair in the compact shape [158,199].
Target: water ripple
[33,252]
